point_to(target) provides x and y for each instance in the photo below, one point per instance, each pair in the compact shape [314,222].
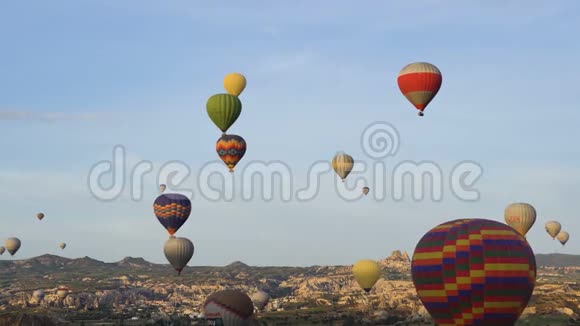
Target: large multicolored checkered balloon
[474,272]
[172,210]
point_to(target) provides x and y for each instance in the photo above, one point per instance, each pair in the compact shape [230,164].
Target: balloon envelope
[2,249]
[235,83]
[520,216]
[366,190]
[229,307]
[12,245]
[474,272]
[231,149]
[342,164]
[366,273]
[172,210]
[178,252]
[553,228]
[62,292]
[162,187]
[420,82]
[40,216]
[260,299]
[38,295]
[563,237]
[224,110]
[62,245]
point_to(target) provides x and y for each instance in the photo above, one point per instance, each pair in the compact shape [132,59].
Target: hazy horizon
[79,79]
[224,265]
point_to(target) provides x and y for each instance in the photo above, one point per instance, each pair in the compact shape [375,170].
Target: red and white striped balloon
[420,82]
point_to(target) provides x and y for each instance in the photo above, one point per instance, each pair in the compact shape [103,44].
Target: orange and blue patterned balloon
[231,149]
[172,210]
[474,272]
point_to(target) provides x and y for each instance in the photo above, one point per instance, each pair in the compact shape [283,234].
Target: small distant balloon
[62,245]
[235,83]
[172,211]
[553,228]
[563,237]
[231,149]
[366,190]
[420,82]
[520,216]
[12,245]
[223,110]
[342,165]
[2,249]
[62,292]
[40,216]
[162,187]
[366,273]
[260,299]
[178,252]
[38,295]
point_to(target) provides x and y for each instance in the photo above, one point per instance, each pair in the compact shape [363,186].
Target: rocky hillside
[134,287]
[557,260]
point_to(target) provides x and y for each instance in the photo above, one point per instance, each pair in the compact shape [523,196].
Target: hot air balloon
[178,252]
[563,237]
[12,245]
[553,228]
[40,216]
[342,165]
[229,307]
[62,292]
[224,110]
[172,210]
[2,249]
[366,190]
[474,272]
[38,295]
[260,299]
[62,245]
[231,149]
[520,216]
[420,82]
[235,83]
[162,187]
[366,273]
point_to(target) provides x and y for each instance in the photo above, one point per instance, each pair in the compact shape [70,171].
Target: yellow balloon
[235,83]
[366,273]
[563,237]
[342,164]
[553,228]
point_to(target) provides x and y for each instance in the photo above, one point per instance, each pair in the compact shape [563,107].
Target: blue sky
[78,78]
